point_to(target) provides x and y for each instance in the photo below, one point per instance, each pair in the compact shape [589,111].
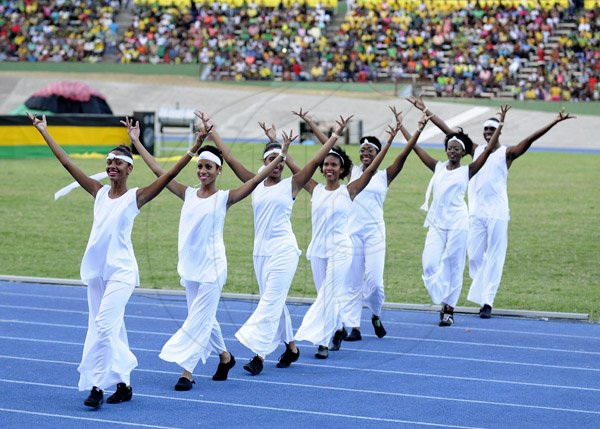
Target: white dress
[276,255]
[109,252]
[446,242]
[330,254]
[367,231]
[488,228]
[203,270]
[110,271]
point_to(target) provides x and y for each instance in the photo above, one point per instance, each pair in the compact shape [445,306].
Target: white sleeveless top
[330,220]
[272,206]
[448,208]
[488,196]
[201,247]
[109,252]
[367,207]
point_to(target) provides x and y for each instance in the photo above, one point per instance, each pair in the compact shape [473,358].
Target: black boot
[123,393]
[95,399]
[255,366]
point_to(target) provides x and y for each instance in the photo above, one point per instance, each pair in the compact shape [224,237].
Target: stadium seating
[55,30]
[529,49]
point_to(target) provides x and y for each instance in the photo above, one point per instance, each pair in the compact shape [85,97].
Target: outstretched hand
[287,141]
[342,123]
[417,102]
[562,115]
[270,132]
[132,130]
[40,124]
[392,131]
[503,110]
[203,131]
[397,115]
[302,115]
[205,121]
[423,121]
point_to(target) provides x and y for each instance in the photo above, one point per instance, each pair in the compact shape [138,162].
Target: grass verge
[551,265]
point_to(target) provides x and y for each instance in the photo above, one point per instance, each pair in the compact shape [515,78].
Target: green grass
[577,108]
[554,238]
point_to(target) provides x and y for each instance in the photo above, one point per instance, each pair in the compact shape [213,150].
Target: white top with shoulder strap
[200,246]
[109,252]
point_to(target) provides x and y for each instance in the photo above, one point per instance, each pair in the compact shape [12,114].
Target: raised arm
[147,193]
[394,169]
[271,134]
[90,185]
[236,195]
[427,159]
[476,165]
[237,167]
[361,183]
[320,135]
[134,137]
[420,104]
[303,179]
[516,151]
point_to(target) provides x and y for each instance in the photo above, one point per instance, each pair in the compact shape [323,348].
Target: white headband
[456,139]
[209,156]
[490,123]
[125,158]
[368,143]
[270,152]
[333,152]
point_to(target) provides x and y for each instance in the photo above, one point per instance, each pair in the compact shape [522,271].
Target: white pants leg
[443,264]
[106,358]
[270,323]
[374,290]
[487,253]
[476,243]
[323,317]
[200,335]
[354,284]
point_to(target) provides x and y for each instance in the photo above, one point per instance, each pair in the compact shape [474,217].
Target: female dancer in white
[275,249]
[202,262]
[448,219]
[367,230]
[109,268]
[488,209]
[330,249]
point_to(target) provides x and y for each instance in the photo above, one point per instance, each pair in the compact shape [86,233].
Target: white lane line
[68,417]
[399,354]
[454,122]
[368,370]
[253,406]
[249,311]
[419,339]
[331,388]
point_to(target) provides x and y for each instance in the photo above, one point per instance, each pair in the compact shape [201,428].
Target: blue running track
[497,373]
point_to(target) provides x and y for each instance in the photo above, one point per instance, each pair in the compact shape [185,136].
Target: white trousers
[270,323]
[364,283]
[488,240]
[444,264]
[200,335]
[324,316]
[106,358]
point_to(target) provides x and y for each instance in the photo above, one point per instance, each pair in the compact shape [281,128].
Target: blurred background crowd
[524,49]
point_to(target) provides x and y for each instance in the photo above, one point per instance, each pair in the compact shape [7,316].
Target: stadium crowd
[468,48]
[56,30]
[247,42]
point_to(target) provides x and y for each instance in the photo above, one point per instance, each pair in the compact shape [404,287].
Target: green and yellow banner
[76,134]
